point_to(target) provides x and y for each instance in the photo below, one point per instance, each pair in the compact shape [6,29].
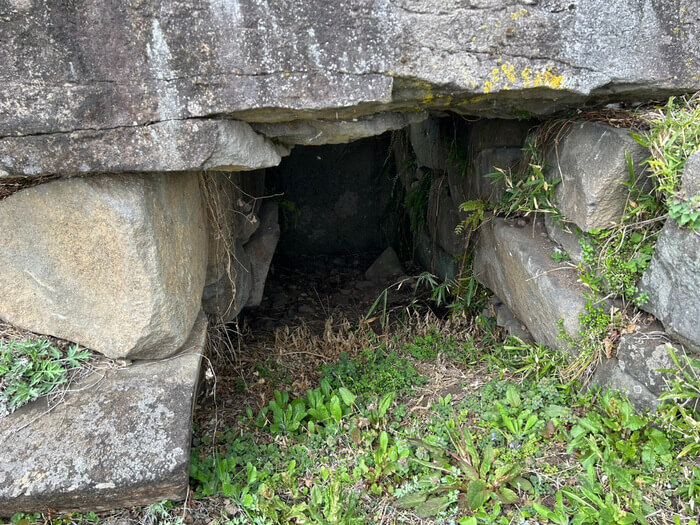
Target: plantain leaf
[411,500]
[506,495]
[432,507]
[477,494]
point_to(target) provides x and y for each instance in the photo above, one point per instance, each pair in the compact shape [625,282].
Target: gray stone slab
[318,132]
[610,375]
[430,143]
[443,217]
[164,146]
[385,267]
[672,283]
[125,67]
[567,235]
[120,438]
[590,159]
[261,248]
[514,259]
[431,256]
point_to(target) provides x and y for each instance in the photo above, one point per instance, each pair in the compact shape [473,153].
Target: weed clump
[30,369]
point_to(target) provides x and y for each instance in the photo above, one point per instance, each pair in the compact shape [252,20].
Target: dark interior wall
[335,198]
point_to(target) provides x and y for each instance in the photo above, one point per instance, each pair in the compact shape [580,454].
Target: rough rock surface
[564,234]
[386,266]
[672,280]
[505,319]
[164,146]
[430,144]
[443,217]
[485,146]
[610,374]
[121,438]
[514,259]
[260,250]
[234,202]
[691,175]
[634,369]
[642,354]
[590,159]
[318,132]
[228,288]
[431,256]
[672,283]
[113,262]
[128,65]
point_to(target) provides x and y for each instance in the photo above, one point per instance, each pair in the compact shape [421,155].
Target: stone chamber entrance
[358,308]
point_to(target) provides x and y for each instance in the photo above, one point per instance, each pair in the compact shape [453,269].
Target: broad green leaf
[348,397]
[507,495]
[411,500]
[336,411]
[432,507]
[477,494]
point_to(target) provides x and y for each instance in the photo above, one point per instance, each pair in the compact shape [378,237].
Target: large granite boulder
[90,70]
[120,438]
[113,262]
[514,259]
[591,160]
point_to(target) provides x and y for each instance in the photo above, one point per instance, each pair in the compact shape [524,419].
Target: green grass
[30,369]
[487,459]
[521,448]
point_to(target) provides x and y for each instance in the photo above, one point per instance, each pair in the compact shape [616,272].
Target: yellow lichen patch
[505,77]
[509,72]
[518,14]
[548,78]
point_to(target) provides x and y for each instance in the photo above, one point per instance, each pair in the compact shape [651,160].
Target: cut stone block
[318,132]
[443,217]
[428,253]
[430,144]
[672,284]
[176,145]
[514,259]
[590,160]
[113,262]
[120,438]
[261,248]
